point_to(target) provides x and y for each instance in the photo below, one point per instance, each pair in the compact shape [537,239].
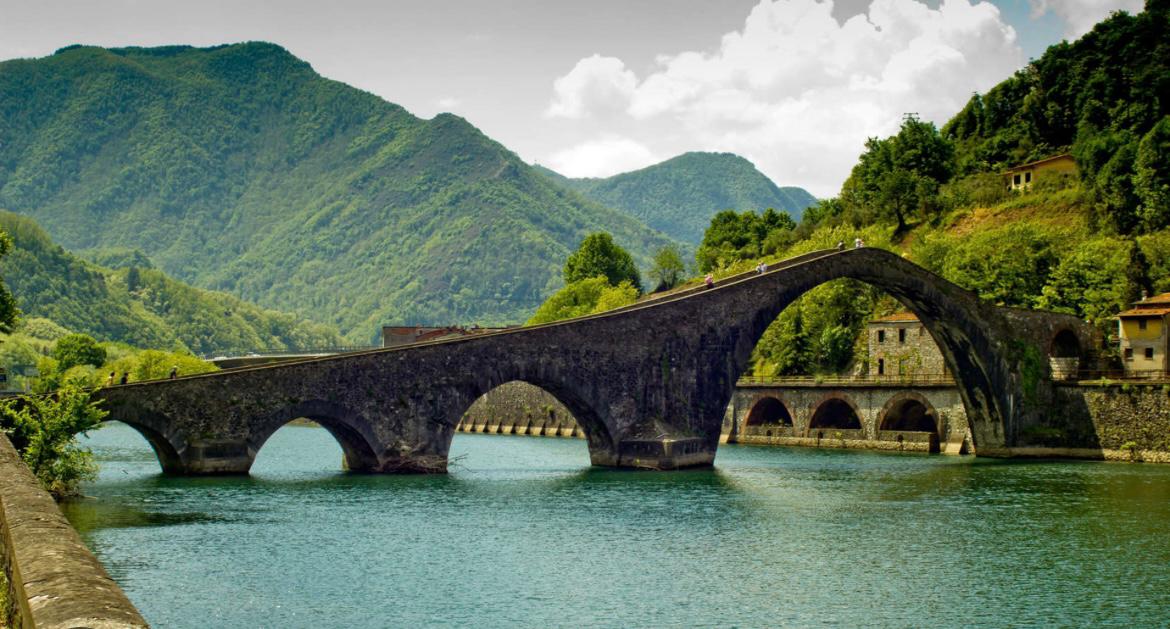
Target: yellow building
[1143,334]
[1022,177]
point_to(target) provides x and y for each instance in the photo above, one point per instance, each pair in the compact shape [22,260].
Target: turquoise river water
[523,533]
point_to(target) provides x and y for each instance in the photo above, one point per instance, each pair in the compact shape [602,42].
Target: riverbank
[51,579]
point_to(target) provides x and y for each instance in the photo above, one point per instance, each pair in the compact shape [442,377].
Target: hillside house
[1143,333]
[1023,176]
[899,345]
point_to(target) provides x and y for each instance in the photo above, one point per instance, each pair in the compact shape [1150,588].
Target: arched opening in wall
[768,417]
[129,449]
[312,437]
[1064,355]
[769,411]
[854,317]
[519,425]
[836,414]
[910,415]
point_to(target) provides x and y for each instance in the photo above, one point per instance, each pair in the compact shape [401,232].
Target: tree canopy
[599,256]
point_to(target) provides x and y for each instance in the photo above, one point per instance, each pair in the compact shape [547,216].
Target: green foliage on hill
[733,237]
[1087,246]
[898,178]
[583,297]
[679,196]
[142,307]
[1100,97]
[239,168]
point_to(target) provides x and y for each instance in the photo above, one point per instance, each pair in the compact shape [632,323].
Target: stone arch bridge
[649,384]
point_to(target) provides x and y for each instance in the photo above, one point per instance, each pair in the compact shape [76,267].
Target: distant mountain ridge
[680,195]
[140,306]
[238,168]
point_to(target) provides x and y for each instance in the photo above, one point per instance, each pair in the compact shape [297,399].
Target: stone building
[1023,176]
[1143,333]
[899,345]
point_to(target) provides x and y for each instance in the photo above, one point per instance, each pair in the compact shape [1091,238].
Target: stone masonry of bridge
[649,384]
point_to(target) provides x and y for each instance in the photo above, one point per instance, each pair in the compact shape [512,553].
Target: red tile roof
[1163,298]
[1144,312]
[897,317]
[1040,161]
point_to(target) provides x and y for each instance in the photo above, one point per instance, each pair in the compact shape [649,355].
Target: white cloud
[595,85]
[601,158]
[1079,16]
[448,103]
[798,93]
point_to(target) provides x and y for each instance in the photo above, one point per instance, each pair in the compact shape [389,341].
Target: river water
[524,533]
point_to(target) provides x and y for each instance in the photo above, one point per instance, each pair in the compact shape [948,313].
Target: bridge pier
[215,456]
[656,454]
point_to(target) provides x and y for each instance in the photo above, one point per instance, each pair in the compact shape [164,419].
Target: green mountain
[679,196]
[139,305]
[239,168]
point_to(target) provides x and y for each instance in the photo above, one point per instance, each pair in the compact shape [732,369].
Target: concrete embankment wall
[53,579]
[519,408]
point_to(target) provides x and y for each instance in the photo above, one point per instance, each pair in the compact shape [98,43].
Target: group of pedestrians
[762,267]
[126,376]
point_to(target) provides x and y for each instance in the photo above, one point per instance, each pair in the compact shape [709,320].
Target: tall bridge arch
[648,383]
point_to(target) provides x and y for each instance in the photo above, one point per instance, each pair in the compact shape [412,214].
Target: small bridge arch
[909,411]
[834,412]
[767,411]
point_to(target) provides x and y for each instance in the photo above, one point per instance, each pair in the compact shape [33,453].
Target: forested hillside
[1086,245]
[238,168]
[138,305]
[679,196]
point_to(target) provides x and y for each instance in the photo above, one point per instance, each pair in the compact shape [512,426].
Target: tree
[599,256]
[899,176]
[1091,282]
[78,349]
[1152,177]
[668,269]
[9,313]
[43,429]
[588,296]
[733,236]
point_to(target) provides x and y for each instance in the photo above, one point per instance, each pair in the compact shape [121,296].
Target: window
[1141,324]
[1149,353]
[1027,177]
[901,335]
[881,366]
[881,336]
[1129,353]
[1016,179]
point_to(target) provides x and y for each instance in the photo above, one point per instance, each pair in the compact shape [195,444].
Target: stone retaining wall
[1112,421]
[53,579]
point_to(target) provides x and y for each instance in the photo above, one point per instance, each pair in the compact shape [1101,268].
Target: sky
[593,88]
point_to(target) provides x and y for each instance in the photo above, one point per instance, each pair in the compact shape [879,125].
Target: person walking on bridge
[709,281]
[174,372]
